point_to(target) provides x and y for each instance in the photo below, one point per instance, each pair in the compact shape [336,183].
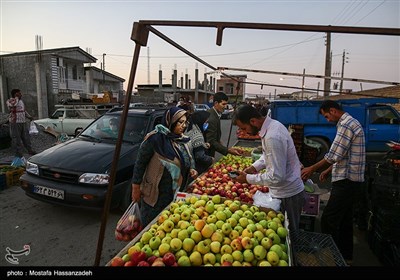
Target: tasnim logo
[10,256]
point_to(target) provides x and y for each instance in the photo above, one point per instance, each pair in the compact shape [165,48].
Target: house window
[74,72]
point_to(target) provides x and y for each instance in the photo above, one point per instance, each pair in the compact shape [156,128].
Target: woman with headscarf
[195,131]
[163,165]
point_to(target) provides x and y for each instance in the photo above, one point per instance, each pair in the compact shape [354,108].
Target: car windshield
[107,128]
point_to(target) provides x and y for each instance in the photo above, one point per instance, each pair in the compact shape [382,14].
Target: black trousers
[337,217]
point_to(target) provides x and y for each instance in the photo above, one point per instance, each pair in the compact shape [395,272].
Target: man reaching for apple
[279,158]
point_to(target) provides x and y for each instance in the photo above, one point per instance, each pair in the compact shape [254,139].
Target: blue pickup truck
[381,122]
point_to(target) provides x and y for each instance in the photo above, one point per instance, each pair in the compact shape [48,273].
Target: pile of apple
[128,227]
[216,180]
[210,231]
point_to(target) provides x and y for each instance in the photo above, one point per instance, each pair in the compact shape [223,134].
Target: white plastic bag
[266,200]
[129,225]
[33,129]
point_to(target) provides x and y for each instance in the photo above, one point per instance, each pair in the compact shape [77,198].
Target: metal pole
[303,84]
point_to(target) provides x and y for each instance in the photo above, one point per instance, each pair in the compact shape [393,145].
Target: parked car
[77,172]
[201,107]
[228,112]
[71,119]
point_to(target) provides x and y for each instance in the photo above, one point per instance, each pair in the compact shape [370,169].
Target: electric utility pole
[342,75]
[327,81]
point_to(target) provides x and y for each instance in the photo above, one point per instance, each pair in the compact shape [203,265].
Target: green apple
[166,239]
[244,207]
[227,257]
[145,238]
[190,229]
[217,236]
[162,218]
[209,258]
[284,247]
[207,231]
[168,225]
[271,214]
[281,217]
[283,263]
[236,217]
[215,247]
[193,199]
[219,224]
[259,252]
[277,220]
[277,249]
[248,255]
[175,218]
[174,232]
[237,256]
[243,221]
[226,249]
[204,197]
[263,263]
[248,214]
[203,248]
[247,243]
[239,229]
[199,203]
[216,199]
[182,224]
[247,233]
[196,236]
[285,256]
[176,244]
[273,258]
[180,253]
[228,213]
[254,209]
[211,219]
[209,207]
[146,248]
[264,223]
[160,233]
[126,258]
[184,261]
[154,242]
[173,206]
[226,228]
[239,212]
[282,232]
[234,234]
[258,235]
[273,225]
[275,238]
[182,234]
[188,244]
[163,249]
[269,231]
[221,216]
[196,259]
[266,243]
[252,226]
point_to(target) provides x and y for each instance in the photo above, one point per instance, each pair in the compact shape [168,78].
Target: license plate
[59,194]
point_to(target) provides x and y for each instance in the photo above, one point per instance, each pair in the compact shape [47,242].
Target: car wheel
[324,147]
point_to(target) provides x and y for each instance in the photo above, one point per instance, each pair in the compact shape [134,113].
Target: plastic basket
[315,249]
[12,174]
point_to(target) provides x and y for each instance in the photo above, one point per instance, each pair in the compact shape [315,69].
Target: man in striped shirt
[18,127]
[346,161]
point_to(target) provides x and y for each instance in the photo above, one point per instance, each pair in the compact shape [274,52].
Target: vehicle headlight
[32,168]
[93,178]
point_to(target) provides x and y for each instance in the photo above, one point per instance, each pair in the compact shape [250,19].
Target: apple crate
[315,249]
[183,196]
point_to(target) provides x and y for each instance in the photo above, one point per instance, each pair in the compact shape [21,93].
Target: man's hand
[306,173]
[193,173]
[250,170]
[241,178]
[234,151]
[136,192]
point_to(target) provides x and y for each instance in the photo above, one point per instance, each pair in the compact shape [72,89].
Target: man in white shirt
[279,158]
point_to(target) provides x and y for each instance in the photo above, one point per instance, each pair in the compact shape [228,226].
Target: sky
[104,27]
